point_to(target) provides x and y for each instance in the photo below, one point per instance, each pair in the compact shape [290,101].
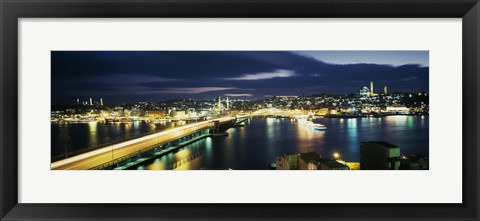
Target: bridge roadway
[115,152]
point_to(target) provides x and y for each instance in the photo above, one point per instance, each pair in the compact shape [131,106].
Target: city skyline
[240,110]
[131,76]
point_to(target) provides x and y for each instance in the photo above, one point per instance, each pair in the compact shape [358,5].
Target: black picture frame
[12,10]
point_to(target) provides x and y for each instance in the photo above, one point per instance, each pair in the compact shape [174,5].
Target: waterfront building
[127,112]
[379,155]
[397,110]
[179,114]
[323,111]
[333,112]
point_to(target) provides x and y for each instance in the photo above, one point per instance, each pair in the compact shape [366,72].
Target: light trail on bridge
[114,152]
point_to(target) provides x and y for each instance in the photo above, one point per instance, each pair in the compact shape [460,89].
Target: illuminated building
[323,111]
[228,104]
[78,101]
[385,89]
[101,101]
[371,90]
[364,92]
[397,110]
[379,155]
[219,103]
[91,103]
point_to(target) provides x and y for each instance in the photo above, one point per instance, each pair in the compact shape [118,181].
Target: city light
[336,155]
[224,109]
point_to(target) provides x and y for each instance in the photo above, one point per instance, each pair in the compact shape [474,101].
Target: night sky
[132,76]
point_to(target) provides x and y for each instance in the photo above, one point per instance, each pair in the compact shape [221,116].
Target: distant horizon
[151,76]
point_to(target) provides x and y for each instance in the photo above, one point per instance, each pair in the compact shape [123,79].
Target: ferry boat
[315,126]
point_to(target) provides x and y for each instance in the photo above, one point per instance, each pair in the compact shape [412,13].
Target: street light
[336,155]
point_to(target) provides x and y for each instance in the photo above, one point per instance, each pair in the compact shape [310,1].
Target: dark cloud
[123,76]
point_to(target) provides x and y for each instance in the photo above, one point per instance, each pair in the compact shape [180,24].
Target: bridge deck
[118,151]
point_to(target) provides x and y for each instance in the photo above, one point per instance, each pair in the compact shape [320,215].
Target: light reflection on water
[352,132]
[256,145]
[74,136]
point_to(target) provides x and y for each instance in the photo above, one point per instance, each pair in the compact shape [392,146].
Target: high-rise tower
[385,89]
[91,102]
[101,101]
[371,87]
[228,104]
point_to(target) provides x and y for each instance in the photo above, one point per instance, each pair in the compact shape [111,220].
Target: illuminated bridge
[111,155]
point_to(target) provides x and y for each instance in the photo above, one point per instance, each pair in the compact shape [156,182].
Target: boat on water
[315,126]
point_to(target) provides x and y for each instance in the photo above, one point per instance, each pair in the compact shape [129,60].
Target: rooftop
[333,163]
[310,156]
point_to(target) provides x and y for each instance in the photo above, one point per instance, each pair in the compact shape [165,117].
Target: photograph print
[239,110]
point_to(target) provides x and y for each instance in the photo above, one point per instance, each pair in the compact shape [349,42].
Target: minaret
[371,87]
[101,101]
[91,103]
[228,104]
[385,89]
[219,102]
[78,101]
